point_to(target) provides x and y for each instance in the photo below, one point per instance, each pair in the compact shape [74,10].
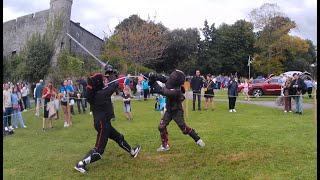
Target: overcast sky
[101,16]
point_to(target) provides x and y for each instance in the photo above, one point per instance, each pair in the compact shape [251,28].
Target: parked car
[240,87]
[271,86]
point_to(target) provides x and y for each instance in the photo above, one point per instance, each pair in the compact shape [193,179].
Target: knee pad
[162,128]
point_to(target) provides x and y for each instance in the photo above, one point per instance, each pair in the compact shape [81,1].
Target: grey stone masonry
[17,32]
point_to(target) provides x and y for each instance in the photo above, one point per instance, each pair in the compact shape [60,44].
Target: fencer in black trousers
[99,97]
[174,92]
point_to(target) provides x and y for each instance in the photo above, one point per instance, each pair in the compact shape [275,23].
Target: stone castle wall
[91,42]
[16,32]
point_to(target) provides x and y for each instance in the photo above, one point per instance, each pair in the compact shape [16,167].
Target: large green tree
[142,42]
[273,43]
[181,52]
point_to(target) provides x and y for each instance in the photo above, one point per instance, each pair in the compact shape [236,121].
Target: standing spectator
[19,99]
[38,96]
[7,104]
[78,90]
[127,81]
[209,86]
[48,94]
[196,85]
[139,90]
[287,91]
[145,88]
[232,94]
[126,100]
[246,89]
[73,96]
[24,94]
[219,81]
[84,84]
[134,85]
[298,86]
[309,85]
[64,91]
[16,109]
[33,89]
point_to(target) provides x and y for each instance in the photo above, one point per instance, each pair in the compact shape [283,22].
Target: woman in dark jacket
[232,94]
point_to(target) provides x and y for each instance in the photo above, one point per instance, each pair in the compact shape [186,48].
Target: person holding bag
[16,109]
[208,92]
[48,93]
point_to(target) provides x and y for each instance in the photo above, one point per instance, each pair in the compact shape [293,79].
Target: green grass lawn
[256,142]
[222,94]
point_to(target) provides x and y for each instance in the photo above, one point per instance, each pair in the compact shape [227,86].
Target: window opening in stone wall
[13,53]
[62,43]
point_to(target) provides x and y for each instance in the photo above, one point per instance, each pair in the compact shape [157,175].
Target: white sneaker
[11,128]
[167,148]
[90,113]
[24,126]
[234,110]
[230,110]
[285,111]
[290,111]
[25,110]
[6,129]
[65,124]
[201,143]
[37,114]
[68,125]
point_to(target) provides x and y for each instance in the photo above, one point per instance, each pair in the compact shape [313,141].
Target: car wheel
[257,93]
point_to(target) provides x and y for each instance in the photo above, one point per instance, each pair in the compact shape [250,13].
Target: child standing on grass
[126,100]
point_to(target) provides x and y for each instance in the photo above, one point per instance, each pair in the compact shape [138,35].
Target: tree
[38,57]
[273,27]
[181,52]
[142,42]
[208,61]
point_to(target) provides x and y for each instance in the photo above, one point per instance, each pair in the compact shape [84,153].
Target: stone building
[16,32]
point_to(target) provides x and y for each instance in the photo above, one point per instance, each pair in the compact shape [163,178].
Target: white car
[290,73]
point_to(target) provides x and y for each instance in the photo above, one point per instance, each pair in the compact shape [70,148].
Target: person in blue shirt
[64,100]
[309,85]
[38,96]
[145,88]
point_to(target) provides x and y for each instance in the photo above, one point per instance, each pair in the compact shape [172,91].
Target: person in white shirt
[24,94]
[7,105]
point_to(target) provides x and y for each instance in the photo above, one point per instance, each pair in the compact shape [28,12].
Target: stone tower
[60,9]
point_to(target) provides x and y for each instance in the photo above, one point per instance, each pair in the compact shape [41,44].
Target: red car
[271,86]
[254,81]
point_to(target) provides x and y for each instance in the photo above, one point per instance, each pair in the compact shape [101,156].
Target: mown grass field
[256,142]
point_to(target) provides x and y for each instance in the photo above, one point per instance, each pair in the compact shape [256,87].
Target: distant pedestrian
[287,95]
[196,86]
[145,88]
[298,88]
[16,109]
[126,101]
[209,86]
[309,85]
[232,94]
[38,96]
[246,89]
